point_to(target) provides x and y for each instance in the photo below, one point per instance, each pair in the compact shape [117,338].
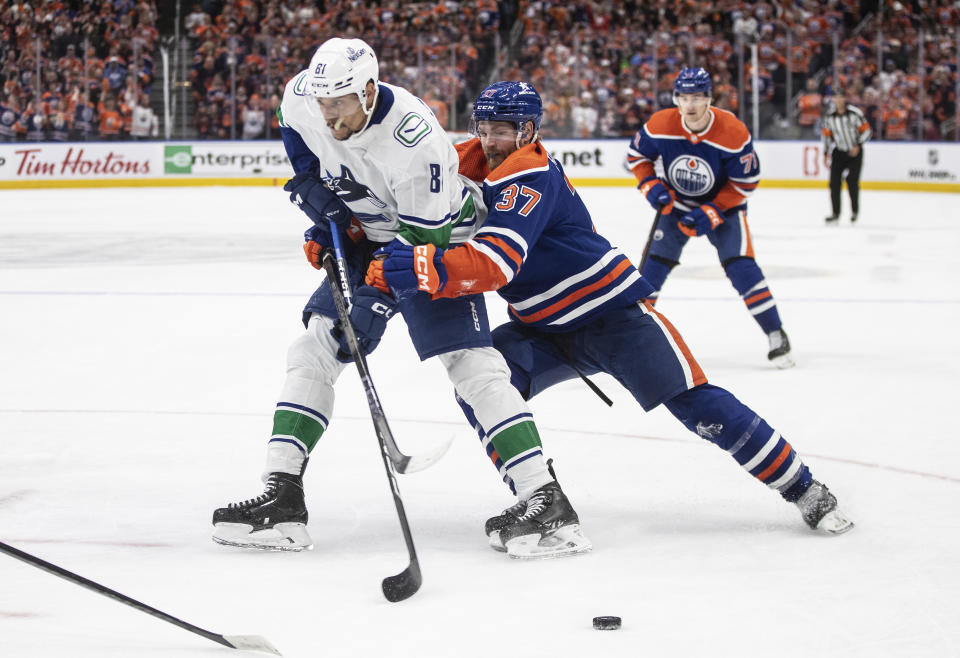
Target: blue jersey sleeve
[301,157]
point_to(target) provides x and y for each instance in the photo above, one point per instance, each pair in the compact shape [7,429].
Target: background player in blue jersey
[709,170]
[576,302]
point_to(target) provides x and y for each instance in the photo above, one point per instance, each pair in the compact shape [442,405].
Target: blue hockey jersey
[717,165]
[538,248]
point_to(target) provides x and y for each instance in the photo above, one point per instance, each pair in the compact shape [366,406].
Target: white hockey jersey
[398,175]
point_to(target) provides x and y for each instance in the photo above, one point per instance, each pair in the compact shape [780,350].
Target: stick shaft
[60,572]
[382,429]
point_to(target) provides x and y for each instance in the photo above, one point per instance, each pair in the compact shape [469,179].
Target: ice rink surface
[143,335]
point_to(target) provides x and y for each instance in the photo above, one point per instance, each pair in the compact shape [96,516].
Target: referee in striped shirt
[845,130]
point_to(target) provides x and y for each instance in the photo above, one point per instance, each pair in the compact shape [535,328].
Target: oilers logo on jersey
[691,175]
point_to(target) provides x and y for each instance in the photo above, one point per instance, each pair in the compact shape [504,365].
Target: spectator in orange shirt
[111,122]
[809,107]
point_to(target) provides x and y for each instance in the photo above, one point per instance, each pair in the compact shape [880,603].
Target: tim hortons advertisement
[96,160]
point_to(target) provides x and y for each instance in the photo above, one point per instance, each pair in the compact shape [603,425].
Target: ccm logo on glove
[423,259]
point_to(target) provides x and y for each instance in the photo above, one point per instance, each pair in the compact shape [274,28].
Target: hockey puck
[606,623]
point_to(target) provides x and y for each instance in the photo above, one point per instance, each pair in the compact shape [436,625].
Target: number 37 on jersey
[521,198]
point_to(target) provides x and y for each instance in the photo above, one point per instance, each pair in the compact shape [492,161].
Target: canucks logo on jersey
[691,175]
[349,189]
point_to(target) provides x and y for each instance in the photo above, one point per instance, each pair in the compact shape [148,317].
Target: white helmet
[343,66]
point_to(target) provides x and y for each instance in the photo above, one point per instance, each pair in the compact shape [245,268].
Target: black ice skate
[274,521]
[819,509]
[779,353]
[546,526]
[832,220]
[495,524]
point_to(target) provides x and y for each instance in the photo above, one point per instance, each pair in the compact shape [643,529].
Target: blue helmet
[692,81]
[516,102]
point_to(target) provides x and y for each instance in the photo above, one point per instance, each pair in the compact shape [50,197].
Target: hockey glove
[701,220]
[658,195]
[369,314]
[317,239]
[406,269]
[319,202]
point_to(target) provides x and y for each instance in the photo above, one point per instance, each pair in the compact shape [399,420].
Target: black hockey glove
[369,315]
[319,202]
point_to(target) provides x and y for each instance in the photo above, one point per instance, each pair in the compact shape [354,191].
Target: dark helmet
[692,81]
[516,102]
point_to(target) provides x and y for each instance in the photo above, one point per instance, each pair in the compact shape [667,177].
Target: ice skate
[832,220]
[273,521]
[819,509]
[779,353]
[546,526]
[853,218]
[495,524]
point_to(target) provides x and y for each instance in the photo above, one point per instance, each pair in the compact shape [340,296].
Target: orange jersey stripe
[746,232]
[574,296]
[758,297]
[507,249]
[769,470]
[696,372]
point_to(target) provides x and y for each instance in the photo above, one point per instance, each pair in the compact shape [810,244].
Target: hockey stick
[405,584]
[646,247]
[248,642]
[586,380]
[569,358]
[402,462]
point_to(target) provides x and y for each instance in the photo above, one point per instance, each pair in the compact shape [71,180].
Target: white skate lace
[262,498]
[536,504]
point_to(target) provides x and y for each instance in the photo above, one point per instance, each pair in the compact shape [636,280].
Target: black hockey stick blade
[248,642]
[404,584]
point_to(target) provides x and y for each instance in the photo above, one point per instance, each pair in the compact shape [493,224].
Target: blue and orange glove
[317,239]
[407,269]
[369,315]
[658,195]
[319,202]
[701,220]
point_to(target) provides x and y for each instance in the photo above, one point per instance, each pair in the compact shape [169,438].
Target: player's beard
[495,158]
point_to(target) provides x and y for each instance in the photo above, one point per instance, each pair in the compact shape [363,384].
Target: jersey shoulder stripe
[727,133]
[665,124]
[529,159]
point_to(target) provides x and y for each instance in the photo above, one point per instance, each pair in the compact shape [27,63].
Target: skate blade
[568,540]
[835,523]
[495,542]
[783,361]
[281,537]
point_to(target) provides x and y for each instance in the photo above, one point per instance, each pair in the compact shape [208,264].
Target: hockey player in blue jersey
[709,170]
[577,303]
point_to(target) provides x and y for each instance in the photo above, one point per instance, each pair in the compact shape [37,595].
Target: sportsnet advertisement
[933,166]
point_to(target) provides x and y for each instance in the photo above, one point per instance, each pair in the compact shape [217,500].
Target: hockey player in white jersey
[371,158]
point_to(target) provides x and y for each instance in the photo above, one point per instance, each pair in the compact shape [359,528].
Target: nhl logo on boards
[691,175]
